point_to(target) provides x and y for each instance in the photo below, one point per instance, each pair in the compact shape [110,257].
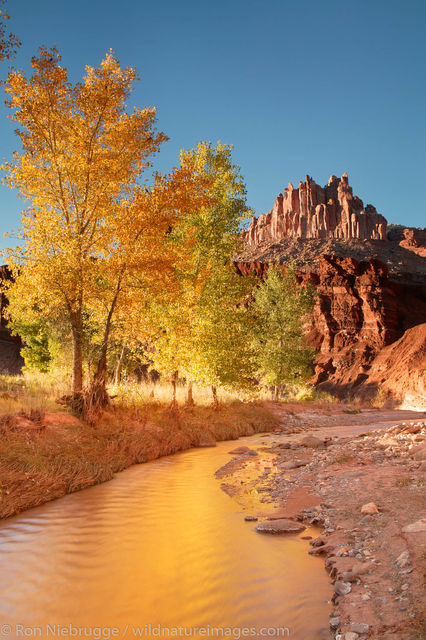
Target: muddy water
[159,545]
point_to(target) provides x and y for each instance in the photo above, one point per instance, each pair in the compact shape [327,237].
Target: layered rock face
[399,370]
[359,312]
[311,211]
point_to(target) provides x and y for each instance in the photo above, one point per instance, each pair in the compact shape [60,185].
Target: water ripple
[161,543]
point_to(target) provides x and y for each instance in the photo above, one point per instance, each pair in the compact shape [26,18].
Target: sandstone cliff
[371,288]
[399,370]
[359,311]
[311,211]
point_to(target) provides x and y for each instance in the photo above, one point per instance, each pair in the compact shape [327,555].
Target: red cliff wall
[359,311]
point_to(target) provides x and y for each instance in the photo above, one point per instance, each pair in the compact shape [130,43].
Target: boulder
[239,450]
[369,509]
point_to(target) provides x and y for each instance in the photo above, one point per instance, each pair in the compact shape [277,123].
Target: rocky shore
[363,483]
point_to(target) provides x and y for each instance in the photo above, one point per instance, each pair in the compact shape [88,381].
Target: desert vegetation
[46,454]
[120,269]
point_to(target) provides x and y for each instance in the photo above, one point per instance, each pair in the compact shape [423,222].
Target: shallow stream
[161,544]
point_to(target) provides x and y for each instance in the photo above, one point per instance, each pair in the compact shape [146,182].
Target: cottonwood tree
[222,354]
[201,332]
[92,235]
[280,309]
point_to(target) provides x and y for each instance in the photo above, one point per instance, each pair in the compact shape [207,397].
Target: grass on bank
[40,391]
[45,452]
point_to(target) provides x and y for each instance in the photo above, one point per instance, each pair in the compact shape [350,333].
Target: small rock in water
[239,450]
[280,526]
[342,588]
[369,509]
[251,518]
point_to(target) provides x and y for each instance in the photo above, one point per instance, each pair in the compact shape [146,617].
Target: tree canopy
[92,236]
[201,333]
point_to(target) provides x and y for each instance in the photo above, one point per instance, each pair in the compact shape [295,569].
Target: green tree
[35,335]
[280,308]
[202,330]
[222,354]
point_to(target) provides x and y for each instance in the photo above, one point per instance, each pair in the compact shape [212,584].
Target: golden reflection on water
[160,544]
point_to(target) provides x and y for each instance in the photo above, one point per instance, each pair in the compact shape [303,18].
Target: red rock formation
[359,311]
[414,240]
[409,238]
[311,211]
[369,293]
[399,370]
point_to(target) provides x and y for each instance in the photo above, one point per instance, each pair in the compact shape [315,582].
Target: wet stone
[280,526]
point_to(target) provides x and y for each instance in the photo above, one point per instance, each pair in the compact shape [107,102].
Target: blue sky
[315,87]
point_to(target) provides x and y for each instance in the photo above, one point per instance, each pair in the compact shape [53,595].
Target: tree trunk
[100,375]
[99,396]
[77,354]
[119,366]
[173,381]
[276,389]
[189,396]
[215,399]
